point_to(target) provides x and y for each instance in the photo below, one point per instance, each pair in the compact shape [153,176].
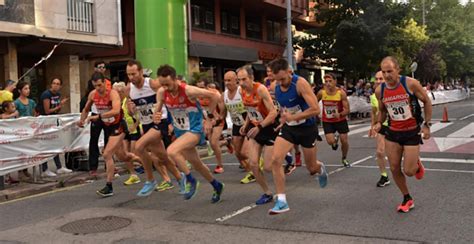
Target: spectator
[101,67]
[7,94]
[9,110]
[51,103]
[350,89]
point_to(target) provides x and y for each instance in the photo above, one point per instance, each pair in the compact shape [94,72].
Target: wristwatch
[427,124]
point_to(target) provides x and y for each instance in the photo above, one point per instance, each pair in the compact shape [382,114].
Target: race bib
[237,119]
[106,120]
[236,110]
[330,111]
[180,119]
[277,105]
[294,110]
[399,111]
[254,114]
[145,113]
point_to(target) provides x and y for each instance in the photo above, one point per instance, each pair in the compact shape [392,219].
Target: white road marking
[438,126]
[449,160]
[465,132]
[352,164]
[465,117]
[426,169]
[363,129]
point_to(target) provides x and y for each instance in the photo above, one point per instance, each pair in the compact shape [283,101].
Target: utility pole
[423,2]
[289,42]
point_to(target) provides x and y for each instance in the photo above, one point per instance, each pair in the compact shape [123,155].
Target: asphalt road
[351,209]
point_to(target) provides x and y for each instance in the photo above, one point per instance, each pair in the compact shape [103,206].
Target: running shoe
[105,192]
[421,171]
[298,162]
[191,189]
[249,178]
[406,206]
[289,168]
[219,170]
[63,170]
[210,152]
[182,183]
[140,170]
[188,164]
[216,196]
[164,185]
[280,207]
[133,179]
[264,199]
[322,177]
[147,189]
[384,181]
[261,163]
[346,163]
[93,173]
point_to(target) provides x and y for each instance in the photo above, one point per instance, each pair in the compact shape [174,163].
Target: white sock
[281,197]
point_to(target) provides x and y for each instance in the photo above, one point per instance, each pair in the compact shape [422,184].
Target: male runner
[380,136]
[107,102]
[398,97]
[233,103]
[187,118]
[143,98]
[299,107]
[218,120]
[259,127]
[335,110]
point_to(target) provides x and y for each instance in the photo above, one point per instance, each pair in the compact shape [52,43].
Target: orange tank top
[256,110]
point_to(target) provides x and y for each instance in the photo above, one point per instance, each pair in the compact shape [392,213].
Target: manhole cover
[96,225]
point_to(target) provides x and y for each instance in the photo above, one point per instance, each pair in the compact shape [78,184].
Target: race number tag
[106,120]
[330,111]
[399,111]
[277,105]
[145,113]
[180,119]
[254,114]
[294,110]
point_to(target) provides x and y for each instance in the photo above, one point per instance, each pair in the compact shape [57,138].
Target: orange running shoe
[218,170]
[421,171]
[405,207]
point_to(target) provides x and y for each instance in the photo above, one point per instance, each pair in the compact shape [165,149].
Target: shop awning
[207,50]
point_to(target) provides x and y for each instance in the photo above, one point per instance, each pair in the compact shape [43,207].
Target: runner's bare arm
[382,115]
[131,108]
[420,93]
[268,102]
[87,107]
[195,92]
[116,105]
[304,89]
[345,104]
[159,105]
[155,84]
[319,96]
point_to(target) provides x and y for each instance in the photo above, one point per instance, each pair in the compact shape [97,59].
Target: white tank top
[236,107]
[145,100]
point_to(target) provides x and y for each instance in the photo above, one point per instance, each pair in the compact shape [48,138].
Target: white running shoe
[63,170]
[48,173]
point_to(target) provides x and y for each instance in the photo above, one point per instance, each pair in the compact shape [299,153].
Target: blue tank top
[293,103]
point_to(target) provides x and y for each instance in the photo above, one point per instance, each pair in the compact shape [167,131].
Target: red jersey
[103,105]
[185,114]
[398,101]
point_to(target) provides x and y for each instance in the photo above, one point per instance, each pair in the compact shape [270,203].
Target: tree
[431,66]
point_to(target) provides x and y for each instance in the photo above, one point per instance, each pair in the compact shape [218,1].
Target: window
[80,15]
[230,23]
[273,31]
[254,28]
[203,17]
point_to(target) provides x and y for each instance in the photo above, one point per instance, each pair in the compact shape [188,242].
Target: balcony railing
[80,15]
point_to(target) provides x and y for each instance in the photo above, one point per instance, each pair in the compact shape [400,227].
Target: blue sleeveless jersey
[293,103]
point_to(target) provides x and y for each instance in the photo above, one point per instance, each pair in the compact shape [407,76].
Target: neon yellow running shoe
[260,163]
[133,179]
[249,178]
[164,185]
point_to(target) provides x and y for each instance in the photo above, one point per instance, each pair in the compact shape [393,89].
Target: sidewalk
[26,189]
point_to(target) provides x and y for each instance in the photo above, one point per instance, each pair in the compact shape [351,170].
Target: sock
[109,185]
[384,174]
[406,198]
[190,178]
[281,197]
[216,184]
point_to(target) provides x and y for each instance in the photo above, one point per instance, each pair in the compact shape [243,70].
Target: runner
[132,135]
[398,97]
[299,107]
[107,102]
[270,84]
[259,127]
[187,115]
[143,98]
[218,120]
[335,110]
[380,137]
[233,103]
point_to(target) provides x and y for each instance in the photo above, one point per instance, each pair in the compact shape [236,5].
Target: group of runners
[160,122]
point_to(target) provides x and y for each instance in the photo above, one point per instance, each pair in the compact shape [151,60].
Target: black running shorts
[306,136]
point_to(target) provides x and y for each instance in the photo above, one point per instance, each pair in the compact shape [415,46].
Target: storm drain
[96,225]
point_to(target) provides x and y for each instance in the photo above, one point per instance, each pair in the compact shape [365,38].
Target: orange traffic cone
[445,115]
